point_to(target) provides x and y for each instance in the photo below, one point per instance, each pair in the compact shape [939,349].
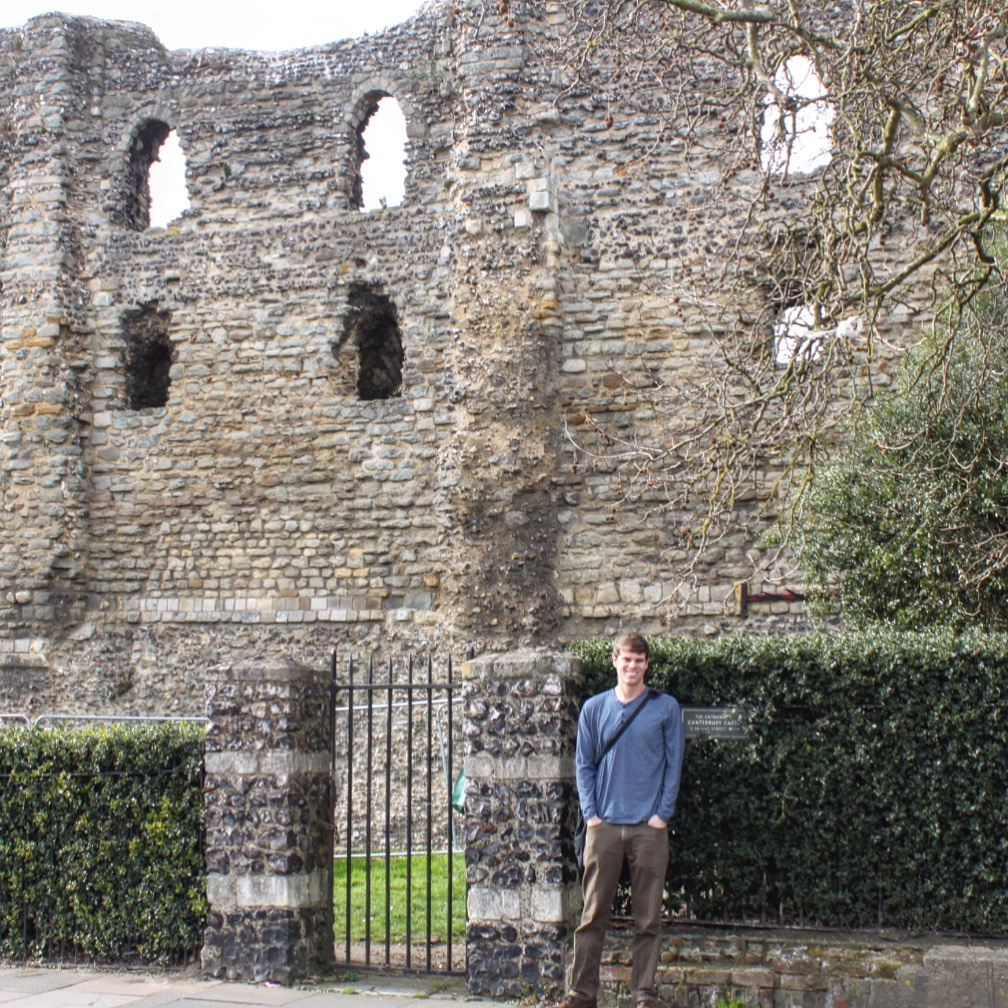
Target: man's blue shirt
[639,776]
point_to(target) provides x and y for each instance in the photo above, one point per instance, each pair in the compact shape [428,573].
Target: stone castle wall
[266,507]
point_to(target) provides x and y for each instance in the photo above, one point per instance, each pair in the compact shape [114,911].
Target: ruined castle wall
[265,494]
[266,506]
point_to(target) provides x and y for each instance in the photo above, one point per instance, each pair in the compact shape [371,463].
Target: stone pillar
[520,727]
[268,823]
[45,333]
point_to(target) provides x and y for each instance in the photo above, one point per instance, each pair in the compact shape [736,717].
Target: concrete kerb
[55,987]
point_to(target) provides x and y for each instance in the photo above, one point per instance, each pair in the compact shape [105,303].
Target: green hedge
[100,843]
[872,789]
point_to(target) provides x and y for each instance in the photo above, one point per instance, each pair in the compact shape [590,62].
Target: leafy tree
[909,524]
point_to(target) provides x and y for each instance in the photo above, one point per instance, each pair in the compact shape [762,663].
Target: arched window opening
[797,121]
[148,357]
[373,327]
[168,192]
[155,177]
[798,341]
[795,337]
[380,150]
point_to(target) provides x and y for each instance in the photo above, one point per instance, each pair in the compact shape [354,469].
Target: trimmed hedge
[872,789]
[100,843]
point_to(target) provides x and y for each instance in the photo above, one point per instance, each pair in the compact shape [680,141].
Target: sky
[268,26]
[187,24]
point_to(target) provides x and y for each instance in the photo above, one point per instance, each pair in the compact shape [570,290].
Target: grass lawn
[389,903]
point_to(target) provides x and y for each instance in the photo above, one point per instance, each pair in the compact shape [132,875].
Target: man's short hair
[633,642]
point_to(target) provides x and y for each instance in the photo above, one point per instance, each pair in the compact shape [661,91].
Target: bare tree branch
[900,216]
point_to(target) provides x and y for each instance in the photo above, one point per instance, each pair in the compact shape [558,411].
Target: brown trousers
[647,853]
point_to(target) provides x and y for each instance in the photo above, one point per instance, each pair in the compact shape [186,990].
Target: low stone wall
[786,968]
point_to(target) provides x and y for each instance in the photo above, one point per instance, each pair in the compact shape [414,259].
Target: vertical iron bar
[388,819]
[332,715]
[30,824]
[409,816]
[349,804]
[430,802]
[333,691]
[451,820]
[368,807]
[47,923]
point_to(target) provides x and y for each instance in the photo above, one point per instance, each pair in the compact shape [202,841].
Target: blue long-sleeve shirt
[639,776]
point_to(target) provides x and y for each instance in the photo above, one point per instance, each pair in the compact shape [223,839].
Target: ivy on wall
[100,843]
[871,790]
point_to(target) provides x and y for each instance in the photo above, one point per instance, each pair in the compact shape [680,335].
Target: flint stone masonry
[520,725]
[268,823]
[265,502]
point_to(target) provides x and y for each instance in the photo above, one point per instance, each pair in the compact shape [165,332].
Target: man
[627,798]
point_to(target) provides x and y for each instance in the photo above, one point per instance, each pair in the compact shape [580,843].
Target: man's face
[630,668]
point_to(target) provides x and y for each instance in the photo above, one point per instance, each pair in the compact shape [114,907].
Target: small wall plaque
[715,722]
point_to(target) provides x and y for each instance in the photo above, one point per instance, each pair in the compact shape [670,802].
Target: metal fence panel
[395,768]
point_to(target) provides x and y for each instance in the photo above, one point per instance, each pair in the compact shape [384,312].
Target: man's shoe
[576,1001]
[649,1001]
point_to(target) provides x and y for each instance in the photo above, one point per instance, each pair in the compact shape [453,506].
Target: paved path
[48,987]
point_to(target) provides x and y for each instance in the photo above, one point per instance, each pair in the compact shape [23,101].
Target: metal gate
[399,894]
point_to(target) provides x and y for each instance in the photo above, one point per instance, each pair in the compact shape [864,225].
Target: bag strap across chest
[626,724]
